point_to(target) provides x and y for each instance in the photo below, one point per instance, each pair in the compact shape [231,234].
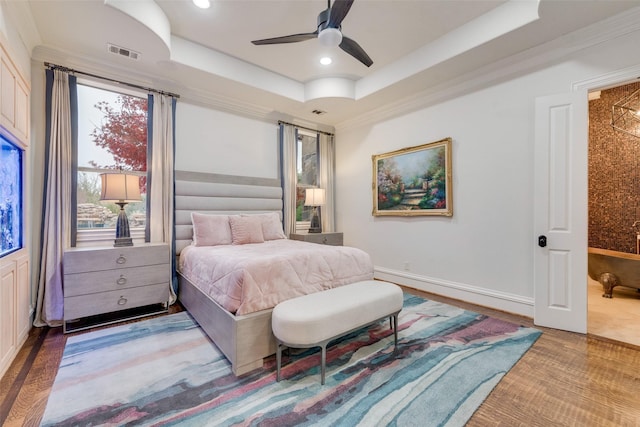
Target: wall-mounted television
[11,214]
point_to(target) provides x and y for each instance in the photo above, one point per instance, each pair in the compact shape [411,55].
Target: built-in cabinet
[15,283]
[15,306]
[14,104]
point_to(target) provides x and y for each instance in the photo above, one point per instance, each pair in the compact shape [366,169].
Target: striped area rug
[164,371]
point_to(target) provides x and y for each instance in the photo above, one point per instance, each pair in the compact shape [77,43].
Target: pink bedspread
[253,277]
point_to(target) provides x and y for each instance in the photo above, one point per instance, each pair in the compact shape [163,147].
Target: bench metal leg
[278,360]
[395,332]
[323,362]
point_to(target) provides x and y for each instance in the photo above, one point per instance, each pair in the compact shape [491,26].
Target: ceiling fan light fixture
[202,4]
[330,37]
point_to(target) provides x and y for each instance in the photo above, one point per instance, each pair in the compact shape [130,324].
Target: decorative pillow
[271,226]
[210,230]
[246,229]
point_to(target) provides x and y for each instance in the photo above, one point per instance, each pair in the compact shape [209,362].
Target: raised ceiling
[415,45]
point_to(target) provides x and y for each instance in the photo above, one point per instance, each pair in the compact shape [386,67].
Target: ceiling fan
[328,32]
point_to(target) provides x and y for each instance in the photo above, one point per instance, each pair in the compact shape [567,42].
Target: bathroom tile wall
[614,175]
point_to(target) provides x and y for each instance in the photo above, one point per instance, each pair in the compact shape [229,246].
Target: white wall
[213,141]
[484,253]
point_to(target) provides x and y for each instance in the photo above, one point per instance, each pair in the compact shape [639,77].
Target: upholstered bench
[316,319]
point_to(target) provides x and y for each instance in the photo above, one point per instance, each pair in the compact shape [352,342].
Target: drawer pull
[122,280]
[324,240]
[121,259]
[122,301]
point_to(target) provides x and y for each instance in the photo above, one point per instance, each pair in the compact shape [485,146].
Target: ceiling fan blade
[354,49]
[294,38]
[339,10]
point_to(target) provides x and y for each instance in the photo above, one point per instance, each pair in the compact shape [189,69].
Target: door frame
[604,81]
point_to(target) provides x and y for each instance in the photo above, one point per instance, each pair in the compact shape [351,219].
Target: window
[112,135]
[308,169]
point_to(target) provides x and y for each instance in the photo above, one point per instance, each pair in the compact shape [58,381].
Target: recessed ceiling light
[325,60]
[202,4]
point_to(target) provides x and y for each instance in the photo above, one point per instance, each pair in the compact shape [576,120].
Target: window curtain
[288,143]
[160,176]
[326,180]
[61,137]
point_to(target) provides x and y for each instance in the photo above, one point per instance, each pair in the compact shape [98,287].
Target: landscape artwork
[413,181]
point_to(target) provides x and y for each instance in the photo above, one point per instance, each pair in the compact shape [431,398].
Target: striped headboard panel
[221,194]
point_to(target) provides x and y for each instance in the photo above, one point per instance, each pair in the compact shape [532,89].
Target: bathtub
[612,268]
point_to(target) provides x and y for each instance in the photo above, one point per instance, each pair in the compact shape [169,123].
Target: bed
[232,315]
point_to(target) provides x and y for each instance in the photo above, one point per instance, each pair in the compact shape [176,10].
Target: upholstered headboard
[221,194]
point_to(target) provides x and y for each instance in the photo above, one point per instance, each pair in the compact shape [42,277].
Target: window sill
[95,237]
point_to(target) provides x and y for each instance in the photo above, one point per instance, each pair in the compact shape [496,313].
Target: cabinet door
[8,87]
[14,102]
[7,314]
[22,111]
[23,297]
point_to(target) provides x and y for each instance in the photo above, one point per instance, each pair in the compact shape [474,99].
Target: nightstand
[107,285]
[334,239]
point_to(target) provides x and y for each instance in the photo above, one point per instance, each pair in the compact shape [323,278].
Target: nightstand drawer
[111,280]
[334,239]
[82,260]
[88,305]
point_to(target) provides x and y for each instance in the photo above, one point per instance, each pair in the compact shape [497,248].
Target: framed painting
[413,181]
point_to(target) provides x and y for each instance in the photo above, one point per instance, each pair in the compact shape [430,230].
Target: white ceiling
[415,45]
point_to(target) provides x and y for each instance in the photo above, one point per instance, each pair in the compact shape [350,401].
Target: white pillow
[271,226]
[246,229]
[210,230]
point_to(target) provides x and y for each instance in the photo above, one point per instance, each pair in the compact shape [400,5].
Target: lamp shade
[120,187]
[314,197]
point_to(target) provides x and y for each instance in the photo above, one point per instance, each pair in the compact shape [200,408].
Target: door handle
[542,241]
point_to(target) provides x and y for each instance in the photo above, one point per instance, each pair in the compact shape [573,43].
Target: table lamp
[314,197]
[121,189]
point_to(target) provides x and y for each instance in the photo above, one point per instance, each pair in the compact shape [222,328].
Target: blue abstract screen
[10,197]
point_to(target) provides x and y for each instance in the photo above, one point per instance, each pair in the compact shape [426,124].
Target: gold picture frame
[413,181]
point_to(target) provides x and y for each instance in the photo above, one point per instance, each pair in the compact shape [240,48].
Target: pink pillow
[271,226]
[210,230]
[246,229]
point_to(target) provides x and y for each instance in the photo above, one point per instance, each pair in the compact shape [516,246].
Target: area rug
[164,371]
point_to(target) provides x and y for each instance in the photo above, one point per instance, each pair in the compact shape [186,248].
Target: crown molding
[608,80]
[518,64]
[191,95]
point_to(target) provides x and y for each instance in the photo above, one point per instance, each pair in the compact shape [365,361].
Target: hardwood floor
[565,379]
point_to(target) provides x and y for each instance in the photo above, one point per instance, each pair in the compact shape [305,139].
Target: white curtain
[160,189]
[326,180]
[288,143]
[56,221]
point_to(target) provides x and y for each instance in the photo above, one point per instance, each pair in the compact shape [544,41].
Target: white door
[560,213]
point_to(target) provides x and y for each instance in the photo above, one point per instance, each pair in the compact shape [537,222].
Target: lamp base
[122,241]
[315,226]
[123,236]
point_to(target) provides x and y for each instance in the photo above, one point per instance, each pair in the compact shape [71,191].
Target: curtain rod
[281,122]
[71,70]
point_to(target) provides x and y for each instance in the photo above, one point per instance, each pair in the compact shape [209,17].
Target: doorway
[614,206]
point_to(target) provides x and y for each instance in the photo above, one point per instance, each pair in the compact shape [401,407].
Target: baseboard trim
[503,301]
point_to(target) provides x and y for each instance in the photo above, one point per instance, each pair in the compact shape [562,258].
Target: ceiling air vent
[319,112]
[122,51]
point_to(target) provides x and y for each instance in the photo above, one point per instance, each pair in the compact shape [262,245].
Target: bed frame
[245,340]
